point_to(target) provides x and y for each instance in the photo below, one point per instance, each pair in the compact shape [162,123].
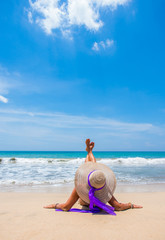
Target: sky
[77,69]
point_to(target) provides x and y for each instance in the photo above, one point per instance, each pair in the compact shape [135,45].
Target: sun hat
[98,176]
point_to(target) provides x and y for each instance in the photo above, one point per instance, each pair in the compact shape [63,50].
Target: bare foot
[91,145]
[87,144]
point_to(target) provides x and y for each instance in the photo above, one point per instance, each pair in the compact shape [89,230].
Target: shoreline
[67,188]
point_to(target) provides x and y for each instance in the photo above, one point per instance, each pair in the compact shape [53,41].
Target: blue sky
[76,69]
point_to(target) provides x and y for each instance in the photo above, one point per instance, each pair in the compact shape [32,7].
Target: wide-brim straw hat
[81,181]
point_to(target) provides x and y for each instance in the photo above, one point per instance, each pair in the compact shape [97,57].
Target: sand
[23,217]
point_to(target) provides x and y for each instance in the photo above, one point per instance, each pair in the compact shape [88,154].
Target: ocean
[38,170]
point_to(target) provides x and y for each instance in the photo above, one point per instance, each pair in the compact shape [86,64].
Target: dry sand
[22,217]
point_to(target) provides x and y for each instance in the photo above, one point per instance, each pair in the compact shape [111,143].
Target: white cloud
[5,83]
[4,86]
[61,120]
[113,4]
[95,46]
[30,17]
[102,45]
[82,12]
[8,81]
[26,130]
[3,99]
[62,15]
[50,15]
[109,42]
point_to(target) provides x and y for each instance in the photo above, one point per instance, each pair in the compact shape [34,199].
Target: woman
[74,195]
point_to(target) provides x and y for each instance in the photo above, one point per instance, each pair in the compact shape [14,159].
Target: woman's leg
[74,196]
[113,202]
[89,158]
[89,147]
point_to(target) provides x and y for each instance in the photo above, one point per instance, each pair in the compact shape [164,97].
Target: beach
[31,180]
[82,109]
[22,217]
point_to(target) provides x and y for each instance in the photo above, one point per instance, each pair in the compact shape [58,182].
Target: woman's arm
[68,204]
[122,206]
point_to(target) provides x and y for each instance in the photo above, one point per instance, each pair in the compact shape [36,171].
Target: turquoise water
[80,154]
[58,168]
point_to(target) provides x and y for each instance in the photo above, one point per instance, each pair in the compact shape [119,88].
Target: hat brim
[81,182]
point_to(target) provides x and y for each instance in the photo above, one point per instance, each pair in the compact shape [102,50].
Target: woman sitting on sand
[98,177]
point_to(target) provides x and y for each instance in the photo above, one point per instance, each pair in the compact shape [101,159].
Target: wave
[42,160]
[130,161]
[63,182]
[29,182]
[58,171]
[136,161]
